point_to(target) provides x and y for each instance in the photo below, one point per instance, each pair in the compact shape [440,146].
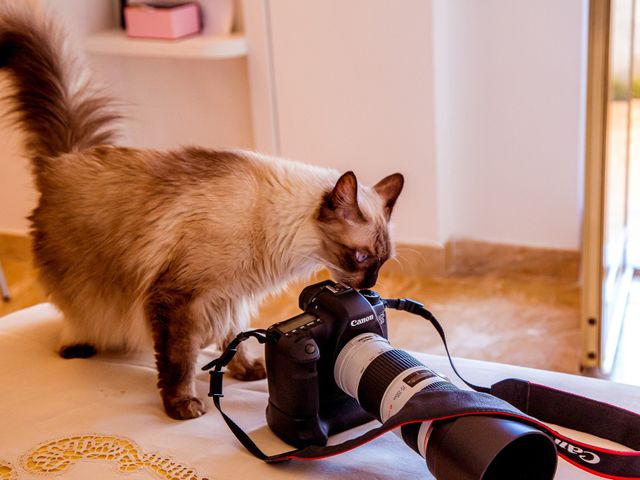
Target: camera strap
[511,398]
[540,403]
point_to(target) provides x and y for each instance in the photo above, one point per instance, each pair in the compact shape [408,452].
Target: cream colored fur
[171,249]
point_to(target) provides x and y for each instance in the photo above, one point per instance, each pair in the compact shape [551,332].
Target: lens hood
[483,447]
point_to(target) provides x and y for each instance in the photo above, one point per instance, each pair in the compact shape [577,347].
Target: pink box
[145,21]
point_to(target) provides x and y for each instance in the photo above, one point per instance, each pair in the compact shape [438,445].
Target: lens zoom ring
[379,374]
[440,387]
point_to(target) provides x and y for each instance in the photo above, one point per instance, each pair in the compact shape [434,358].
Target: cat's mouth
[358,280]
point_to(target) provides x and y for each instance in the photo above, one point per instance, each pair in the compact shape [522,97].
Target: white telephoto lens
[355,357]
[383,379]
[403,387]
[359,354]
[423,438]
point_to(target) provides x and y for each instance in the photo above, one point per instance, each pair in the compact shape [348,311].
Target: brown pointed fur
[171,249]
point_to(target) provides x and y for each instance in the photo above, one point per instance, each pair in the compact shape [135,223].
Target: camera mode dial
[372,297]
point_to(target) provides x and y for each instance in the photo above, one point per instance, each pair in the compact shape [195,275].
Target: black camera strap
[512,398]
[540,404]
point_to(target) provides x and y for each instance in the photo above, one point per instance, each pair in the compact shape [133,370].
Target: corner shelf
[116,42]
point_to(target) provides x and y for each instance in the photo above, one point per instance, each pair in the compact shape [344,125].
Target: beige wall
[510,97]
[480,104]
[17,195]
[169,103]
[354,91]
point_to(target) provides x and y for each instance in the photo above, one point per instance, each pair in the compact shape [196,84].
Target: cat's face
[354,221]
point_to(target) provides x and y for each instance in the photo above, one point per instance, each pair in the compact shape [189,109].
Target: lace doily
[7,472]
[57,456]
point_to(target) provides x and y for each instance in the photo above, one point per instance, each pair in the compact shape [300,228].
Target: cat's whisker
[401,257]
[415,252]
[400,263]
[322,261]
[397,260]
[162,250]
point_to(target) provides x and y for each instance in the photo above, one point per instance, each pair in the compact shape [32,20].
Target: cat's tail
[53,99]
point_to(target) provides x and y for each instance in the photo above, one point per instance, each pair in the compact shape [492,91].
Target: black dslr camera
[332,368]
[306,405]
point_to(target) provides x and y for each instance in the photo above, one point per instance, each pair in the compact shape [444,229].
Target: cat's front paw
[184,408]
[247,372]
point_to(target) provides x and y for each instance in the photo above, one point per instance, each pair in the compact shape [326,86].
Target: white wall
[169,103]
[174,102]
[478,103]
[509,79]
[17,195]
[354,91]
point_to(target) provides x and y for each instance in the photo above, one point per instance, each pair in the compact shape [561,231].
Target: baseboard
[475,257]
[417,260]
[472,257]
[457,257]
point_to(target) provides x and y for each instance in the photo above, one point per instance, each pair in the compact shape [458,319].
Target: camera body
[305,404]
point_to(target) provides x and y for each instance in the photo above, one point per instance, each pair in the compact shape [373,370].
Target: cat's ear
[342,202]
[389,189]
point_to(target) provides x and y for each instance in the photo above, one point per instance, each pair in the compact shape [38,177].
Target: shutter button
[310,348]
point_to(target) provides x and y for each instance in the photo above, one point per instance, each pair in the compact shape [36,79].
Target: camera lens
[383,379]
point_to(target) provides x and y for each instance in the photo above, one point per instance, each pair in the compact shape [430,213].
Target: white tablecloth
[101,418]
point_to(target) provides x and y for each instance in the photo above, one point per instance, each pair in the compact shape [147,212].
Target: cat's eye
[361,257]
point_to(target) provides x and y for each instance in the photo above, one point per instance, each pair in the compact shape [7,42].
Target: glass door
[633,226]
[607,272]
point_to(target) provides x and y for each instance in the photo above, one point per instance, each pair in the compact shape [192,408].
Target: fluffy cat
[171,249]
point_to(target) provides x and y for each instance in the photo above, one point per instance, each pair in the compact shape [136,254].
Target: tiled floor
[518,319]
[529,320]
[522,320]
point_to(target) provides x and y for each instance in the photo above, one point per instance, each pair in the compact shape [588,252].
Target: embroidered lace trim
[57,456]
[7,472]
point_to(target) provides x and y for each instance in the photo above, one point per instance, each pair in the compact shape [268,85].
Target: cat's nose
[369,280]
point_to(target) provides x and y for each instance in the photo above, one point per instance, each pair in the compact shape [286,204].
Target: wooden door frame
[596,357]
[595,155]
